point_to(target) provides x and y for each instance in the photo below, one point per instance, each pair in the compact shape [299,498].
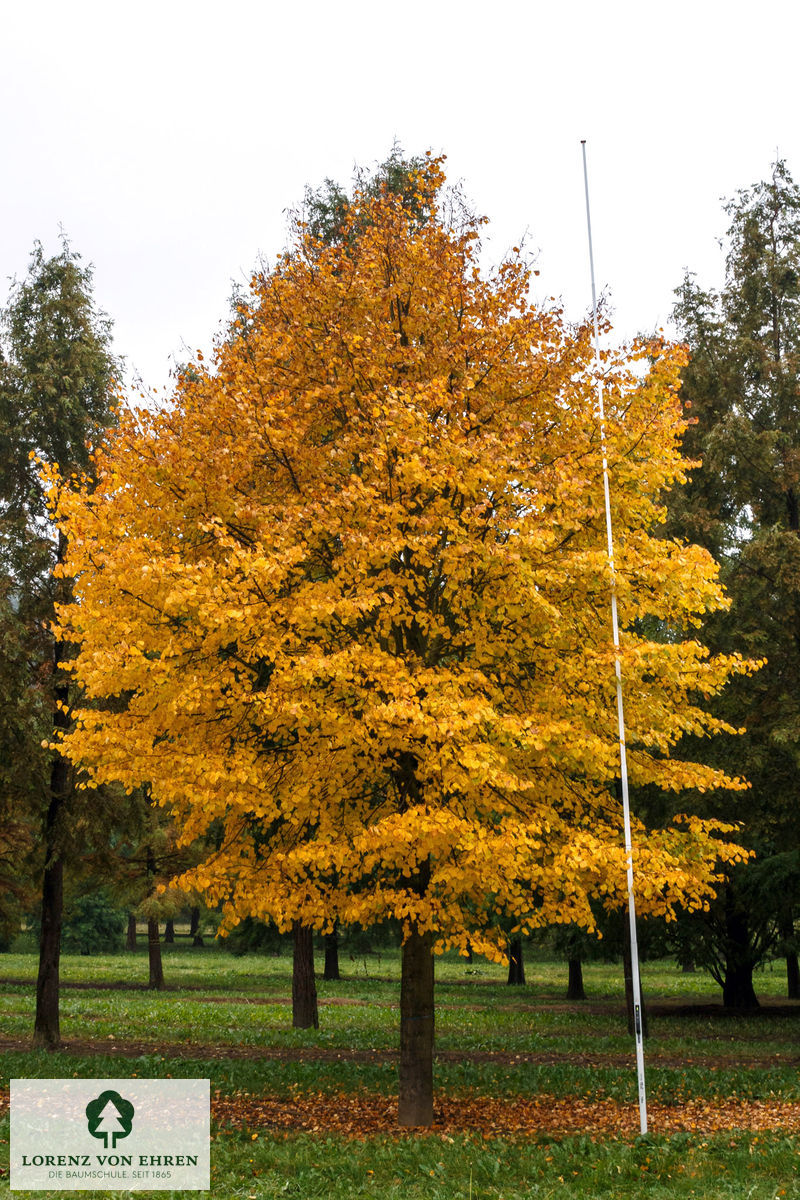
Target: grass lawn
[535,1097]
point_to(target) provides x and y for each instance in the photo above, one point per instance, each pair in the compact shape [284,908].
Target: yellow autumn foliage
[347,599]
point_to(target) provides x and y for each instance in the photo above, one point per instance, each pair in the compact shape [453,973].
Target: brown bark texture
[790,955]
[46,1028]
[305,1014]
[154,955]
[792,976]
[331,971]
[194,928]
[516,964]
[415,1105]
[737,985]
[575,990]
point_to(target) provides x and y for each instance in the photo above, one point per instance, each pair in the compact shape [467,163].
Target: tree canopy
[743,383]
[347,598]
[56,371]
[55,394]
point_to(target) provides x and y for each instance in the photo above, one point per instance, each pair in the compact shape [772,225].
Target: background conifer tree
[743,385]
[55,404]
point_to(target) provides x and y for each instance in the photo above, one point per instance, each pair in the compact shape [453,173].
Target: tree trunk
[130,937]
[154,955]
[627,968]
[516,966]
[737,988]
[305,1013]
[575,980]
[332,954]
[194,928]
[792,975]
[153,943]
[790,954]
[46,1029]
[416,1031]
[169,932]
[737,985]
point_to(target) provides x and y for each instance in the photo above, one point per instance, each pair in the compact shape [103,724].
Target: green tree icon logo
[109,1116]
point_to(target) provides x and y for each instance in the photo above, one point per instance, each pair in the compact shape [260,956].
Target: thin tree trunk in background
[792,976]
[575,980]
[332,955]
[130,937]
[153,943]
[790,954]
[169,931]
[516,965]
[154,955]
[305,1013]
[415,1105]
[194,928]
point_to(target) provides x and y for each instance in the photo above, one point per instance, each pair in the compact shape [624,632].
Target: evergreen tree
[333,217]
[56,372]
[743,385]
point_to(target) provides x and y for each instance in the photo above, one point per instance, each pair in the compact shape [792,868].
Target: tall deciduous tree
[55,402]
[743,383]
[353,588]
[334,218]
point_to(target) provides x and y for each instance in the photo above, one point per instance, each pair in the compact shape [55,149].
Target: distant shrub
[252,936]
[93,925]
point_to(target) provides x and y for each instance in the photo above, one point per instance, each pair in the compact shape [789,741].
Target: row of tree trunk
[169,930]
[516,971]
[417,1011]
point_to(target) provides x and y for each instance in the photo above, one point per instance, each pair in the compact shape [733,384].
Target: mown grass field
[310,1113]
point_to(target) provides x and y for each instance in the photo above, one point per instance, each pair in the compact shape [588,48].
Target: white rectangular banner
[114,1134]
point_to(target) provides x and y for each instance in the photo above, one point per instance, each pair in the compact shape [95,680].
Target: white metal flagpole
[623,762]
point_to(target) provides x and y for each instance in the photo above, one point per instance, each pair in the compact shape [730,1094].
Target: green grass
[215,971]
[216,1000]
[436,1168]
[729,1167]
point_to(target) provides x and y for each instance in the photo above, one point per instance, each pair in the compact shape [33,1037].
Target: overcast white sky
[169,138]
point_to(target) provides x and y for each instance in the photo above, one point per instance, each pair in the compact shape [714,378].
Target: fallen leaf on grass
[364,1114]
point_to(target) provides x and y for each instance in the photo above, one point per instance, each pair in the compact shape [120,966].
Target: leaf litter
[362,1115]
